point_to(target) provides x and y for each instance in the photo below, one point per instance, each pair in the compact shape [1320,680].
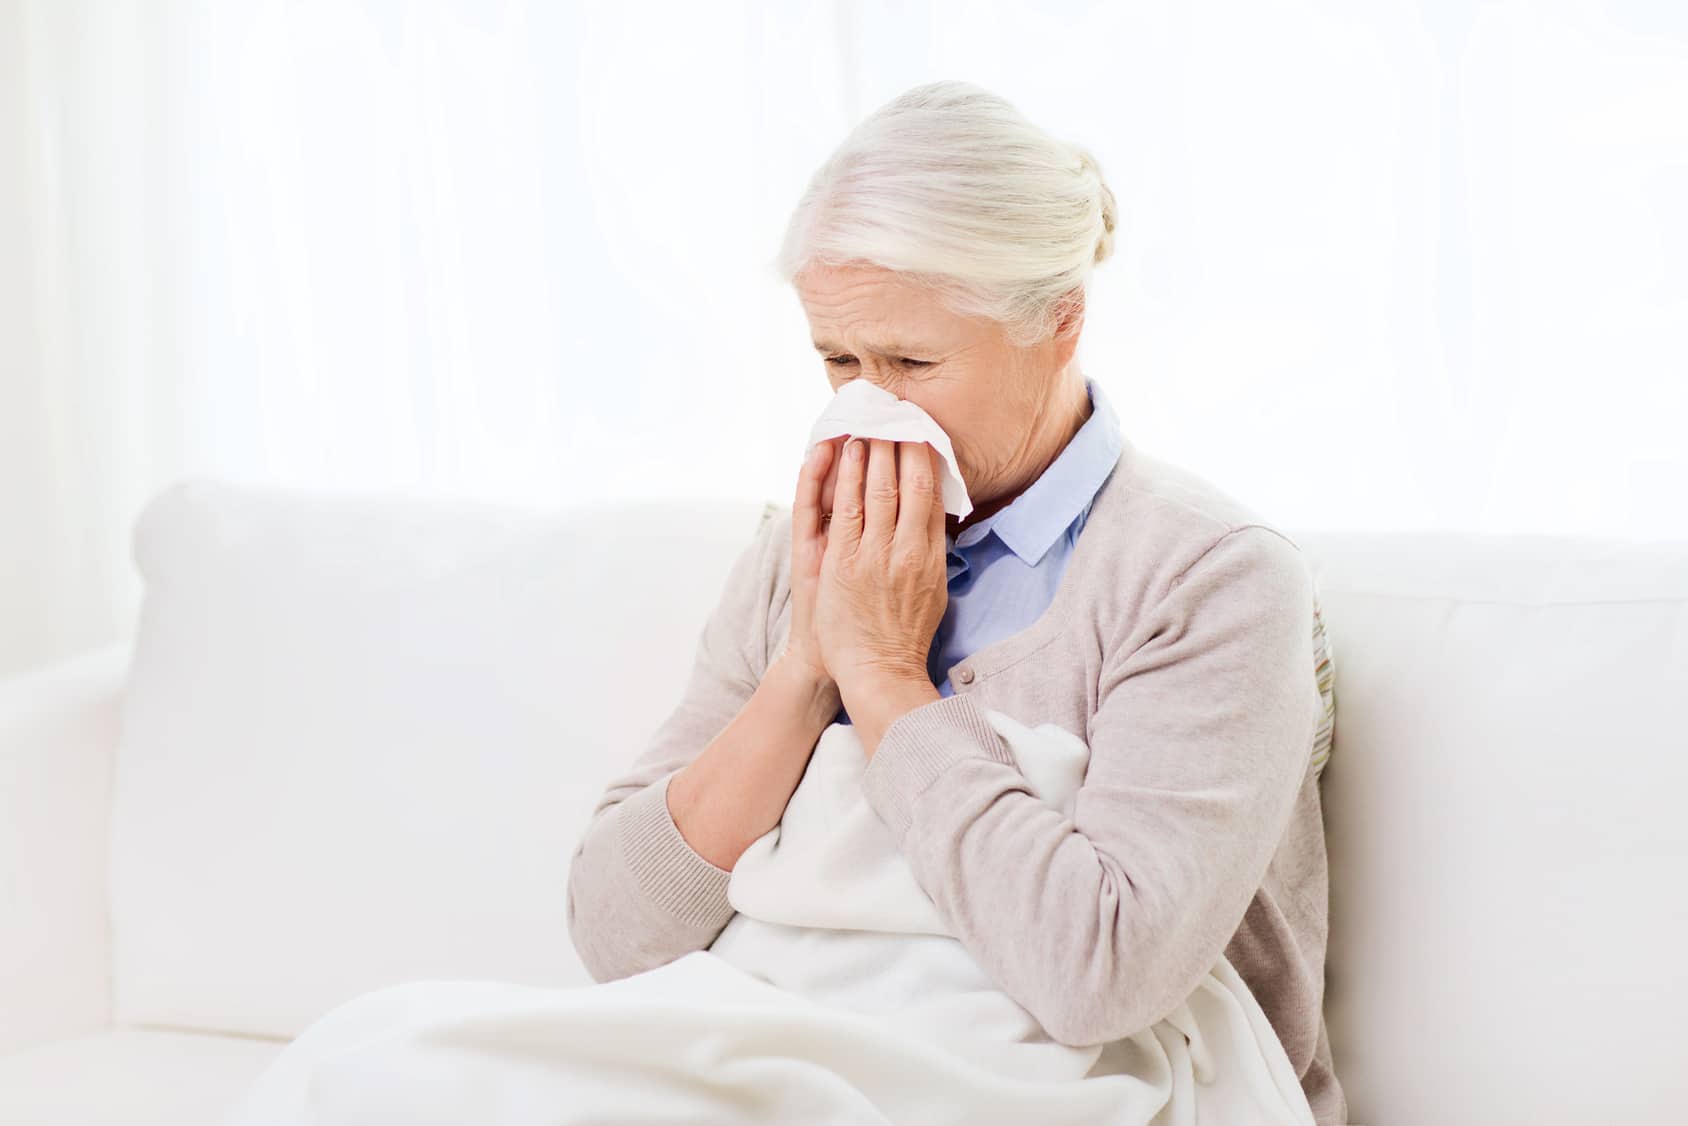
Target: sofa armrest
[58,736]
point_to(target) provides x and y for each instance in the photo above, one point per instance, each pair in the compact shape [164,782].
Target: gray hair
[951,186]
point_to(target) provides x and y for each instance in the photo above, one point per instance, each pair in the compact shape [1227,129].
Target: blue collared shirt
[1003,571]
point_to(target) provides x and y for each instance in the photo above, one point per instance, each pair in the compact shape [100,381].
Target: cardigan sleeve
[1103,923]
[639,895]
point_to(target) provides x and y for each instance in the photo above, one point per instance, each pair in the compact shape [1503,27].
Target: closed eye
[842,361]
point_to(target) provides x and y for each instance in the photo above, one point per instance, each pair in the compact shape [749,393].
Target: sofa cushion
[131,1077]
[1503,811]
[362,737]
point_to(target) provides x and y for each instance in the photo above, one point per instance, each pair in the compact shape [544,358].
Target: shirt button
[964,675]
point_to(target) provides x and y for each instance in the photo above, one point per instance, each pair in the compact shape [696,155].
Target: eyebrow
[889,350]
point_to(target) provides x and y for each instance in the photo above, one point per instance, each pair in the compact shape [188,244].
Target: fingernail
[857,448]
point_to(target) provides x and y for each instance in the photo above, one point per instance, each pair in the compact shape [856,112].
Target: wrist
[880,678]
[810,690]
[877,701]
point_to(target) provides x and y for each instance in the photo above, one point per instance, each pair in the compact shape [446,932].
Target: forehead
[855,304]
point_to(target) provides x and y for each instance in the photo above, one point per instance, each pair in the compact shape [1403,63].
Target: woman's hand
[808,545]
[883,582]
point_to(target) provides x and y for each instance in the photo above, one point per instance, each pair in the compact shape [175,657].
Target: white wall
[1384,265]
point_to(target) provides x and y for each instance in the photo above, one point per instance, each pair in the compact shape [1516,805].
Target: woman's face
[998,402]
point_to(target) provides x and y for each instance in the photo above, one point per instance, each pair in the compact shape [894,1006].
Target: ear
[1069,325]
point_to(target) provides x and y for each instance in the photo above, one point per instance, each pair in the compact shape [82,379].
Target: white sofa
[355,739]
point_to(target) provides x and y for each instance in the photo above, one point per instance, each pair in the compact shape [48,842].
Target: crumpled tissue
[866,410]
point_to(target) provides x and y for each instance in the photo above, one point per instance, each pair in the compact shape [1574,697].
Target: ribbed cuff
[665,866]
[919,747]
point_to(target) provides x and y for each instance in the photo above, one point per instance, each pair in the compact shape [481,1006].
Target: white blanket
[835,995]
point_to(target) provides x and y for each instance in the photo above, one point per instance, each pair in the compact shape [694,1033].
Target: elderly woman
[942,253]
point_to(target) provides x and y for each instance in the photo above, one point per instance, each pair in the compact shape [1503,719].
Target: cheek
[969,425]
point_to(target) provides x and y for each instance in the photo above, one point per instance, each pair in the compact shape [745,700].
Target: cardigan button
[964,675]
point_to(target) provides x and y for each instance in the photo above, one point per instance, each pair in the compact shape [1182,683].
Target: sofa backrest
[362,736]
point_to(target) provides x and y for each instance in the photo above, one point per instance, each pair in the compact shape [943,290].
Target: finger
[845,531]
[915,485]
[829,483]
[880,499]
[806,507]
[938,518]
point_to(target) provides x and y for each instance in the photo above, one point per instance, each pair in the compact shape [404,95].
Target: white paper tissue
[865,410]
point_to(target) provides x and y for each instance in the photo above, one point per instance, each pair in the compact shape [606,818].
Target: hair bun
[1110,210]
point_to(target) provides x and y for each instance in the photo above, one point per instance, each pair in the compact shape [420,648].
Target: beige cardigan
[1185,646]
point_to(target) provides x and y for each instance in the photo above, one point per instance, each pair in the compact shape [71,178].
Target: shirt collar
[1031,523]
